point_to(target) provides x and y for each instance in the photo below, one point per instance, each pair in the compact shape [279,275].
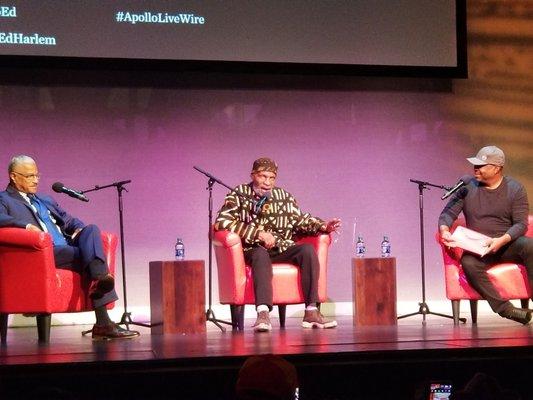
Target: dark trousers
[79,254]
[519,251]
[302,255]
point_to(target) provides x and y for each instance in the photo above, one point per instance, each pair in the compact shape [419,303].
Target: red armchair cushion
[29,280]
[235,278]
[509,279]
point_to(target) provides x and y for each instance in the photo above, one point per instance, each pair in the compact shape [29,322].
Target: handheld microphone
[455,188]
[59,188]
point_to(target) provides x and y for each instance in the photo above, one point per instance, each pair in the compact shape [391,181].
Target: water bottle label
[180,254]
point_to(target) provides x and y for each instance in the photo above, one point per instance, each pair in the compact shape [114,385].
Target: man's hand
[496,244]
[267,239]
[446,237]
[31,227]
[332,226]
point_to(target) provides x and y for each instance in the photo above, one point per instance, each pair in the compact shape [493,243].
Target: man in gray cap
[266,218]
[497,206]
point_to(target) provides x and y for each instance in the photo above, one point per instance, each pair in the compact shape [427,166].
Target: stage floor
[420,352]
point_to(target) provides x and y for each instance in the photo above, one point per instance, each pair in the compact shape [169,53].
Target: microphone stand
[209,314]
[423,307]
[126,316]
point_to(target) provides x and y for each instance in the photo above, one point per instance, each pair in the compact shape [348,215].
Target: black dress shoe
[104,284]
[112,331]
[522,315]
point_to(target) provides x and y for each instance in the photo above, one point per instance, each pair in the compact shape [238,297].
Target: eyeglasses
[29,176]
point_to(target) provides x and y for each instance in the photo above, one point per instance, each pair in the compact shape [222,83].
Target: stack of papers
[470,240]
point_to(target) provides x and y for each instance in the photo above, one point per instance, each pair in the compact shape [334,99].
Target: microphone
[262,201]
[462,182]
[59,188]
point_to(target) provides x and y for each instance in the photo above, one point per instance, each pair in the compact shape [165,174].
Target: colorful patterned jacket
[279,215]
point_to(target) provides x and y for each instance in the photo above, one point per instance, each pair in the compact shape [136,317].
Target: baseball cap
[488,155]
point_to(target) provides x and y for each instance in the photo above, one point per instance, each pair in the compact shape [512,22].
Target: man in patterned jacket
[266,218]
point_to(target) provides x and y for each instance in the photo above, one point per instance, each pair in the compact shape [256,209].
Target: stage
[344,363]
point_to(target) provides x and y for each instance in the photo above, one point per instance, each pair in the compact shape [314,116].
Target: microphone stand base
[210,316]
[424,310]
[126,320]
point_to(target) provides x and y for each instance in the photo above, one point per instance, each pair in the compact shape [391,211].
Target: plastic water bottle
[360,247]
[180,250]
[385,247]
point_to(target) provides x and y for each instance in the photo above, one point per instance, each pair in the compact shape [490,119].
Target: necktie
[44,216]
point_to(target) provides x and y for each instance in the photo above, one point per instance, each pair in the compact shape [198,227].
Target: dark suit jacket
[16,212]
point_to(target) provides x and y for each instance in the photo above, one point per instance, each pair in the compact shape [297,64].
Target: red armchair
[30,283]
[509,279]
[235,283]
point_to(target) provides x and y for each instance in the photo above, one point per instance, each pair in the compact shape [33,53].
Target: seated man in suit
[266,218]
[76,245]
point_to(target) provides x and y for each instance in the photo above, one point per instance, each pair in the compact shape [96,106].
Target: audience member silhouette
[484,387]
[267,377]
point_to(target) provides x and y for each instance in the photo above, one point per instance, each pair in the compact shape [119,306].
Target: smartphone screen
[440,390]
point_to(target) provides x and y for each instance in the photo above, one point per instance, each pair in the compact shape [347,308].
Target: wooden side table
[374,291]
[177,296]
